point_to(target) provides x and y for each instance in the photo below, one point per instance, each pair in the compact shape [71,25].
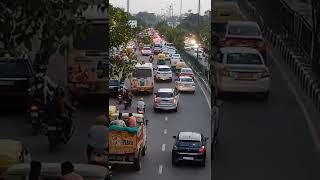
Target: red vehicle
[186,72]
[244,34]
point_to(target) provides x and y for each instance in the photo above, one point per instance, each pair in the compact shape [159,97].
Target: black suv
[16,77]
[189,146]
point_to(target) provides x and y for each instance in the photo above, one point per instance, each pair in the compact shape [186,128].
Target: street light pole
[128,5]
[198,30]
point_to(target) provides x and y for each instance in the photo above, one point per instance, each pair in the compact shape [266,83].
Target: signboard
[133,23]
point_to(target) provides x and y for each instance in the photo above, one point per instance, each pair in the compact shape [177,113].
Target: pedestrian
[67,172]
[35,170]
[132,121]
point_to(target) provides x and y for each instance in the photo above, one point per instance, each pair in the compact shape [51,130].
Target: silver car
[166,99]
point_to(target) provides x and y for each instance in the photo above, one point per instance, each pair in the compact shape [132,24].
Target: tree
[173,34]
[51,23]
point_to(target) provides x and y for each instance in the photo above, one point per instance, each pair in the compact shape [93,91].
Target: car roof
[189,136]
[239,50]
[163,66]
[165,90]
[86,170]
[250,23]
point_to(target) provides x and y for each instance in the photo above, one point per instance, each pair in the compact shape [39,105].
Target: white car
[185,83]
[241,69]
[146,51]
[174,60]
[166,99]
[170,53]
[163,72]
[175,56]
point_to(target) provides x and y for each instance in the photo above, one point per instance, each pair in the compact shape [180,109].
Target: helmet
[101,120]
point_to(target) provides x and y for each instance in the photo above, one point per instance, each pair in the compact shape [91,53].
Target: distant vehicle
[186,72]
[171,52]
[146,51]
[169,44]
[114,86]
[16,77]
[163,72]
[174,60]
[185,83]
[241,69]
[189,146]
[157,50]
[166,99]
[245,34]
[142,79]
[188,48]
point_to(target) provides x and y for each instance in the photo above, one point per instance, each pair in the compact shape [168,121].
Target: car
[186,84]
[157,50]
[245,34]
[187,48]
[241,69]
[175,56]
[166,99]
[114,86]
[186,72]
[163,72]
[16,78]
[146,51]
[189,146]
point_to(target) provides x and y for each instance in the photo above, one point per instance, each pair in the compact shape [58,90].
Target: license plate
[245,76]
[34,114]
[52,128]
[188,158]
[7,83]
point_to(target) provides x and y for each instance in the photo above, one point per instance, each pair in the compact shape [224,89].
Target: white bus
[142,79]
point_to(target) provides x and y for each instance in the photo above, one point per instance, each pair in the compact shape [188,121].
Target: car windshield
[186,71]
[142,73]
[243,30]
[114,83]
[164,69]
[14,69]
[185,143]
[186,80]
[243,58]
[164,94]
[146,48]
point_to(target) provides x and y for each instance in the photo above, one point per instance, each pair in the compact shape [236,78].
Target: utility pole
[198,29]
[180,10]
[128,5]
[172,15]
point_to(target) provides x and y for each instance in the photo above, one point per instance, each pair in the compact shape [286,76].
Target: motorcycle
[127,103]
[120,98]
[36,114]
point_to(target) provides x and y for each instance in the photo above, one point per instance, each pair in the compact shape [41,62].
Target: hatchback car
[245,34]
[240,69]
[186,84]
[163,72]
[189,146]
[166,99]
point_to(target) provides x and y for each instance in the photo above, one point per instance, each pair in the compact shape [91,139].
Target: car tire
[144,149]
[203,162]
[176,109]
[137,163]
[174,160]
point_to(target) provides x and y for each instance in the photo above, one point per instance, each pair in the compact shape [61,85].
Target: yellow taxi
[161,56]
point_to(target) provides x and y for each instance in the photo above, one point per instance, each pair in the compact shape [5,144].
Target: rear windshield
[186,80]
[114,83]
[14,69]
[185,143]
[186,70]
[243,30]
[164,69]
[243,58]
[164,94]
[141,73]
[175,55]
[146,48]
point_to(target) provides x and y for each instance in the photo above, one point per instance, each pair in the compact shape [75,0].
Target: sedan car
[241,69]
[186,84]
[189,146]
[146,51]
[186,72]
[166,99]
[163,72]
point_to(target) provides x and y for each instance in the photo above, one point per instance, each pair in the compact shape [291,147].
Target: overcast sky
[155,6]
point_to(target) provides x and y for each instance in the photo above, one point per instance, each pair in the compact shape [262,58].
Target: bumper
[187,89]
[165,106]
[160,77]
[189,157]
[230,85]
[142,89]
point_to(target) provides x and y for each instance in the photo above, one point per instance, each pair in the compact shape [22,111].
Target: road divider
[160,169]
[165,131]
[163,147]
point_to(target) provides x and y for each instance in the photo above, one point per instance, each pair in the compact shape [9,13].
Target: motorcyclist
[128,96]
[98,135]
[43,81]
[141,105]
[151,58]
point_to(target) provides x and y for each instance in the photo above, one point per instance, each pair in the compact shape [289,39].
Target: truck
[127,145]
[87,60]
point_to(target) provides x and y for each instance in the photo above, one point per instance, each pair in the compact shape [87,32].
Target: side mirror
[175,137]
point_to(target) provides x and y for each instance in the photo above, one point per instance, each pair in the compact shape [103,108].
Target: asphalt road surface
[193,115]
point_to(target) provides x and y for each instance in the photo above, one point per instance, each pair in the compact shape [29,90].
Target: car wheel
[174,160]
[176,109]
[144,149]
[203,162]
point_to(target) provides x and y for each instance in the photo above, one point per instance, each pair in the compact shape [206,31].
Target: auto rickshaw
[161,56]
[53,171]
[12,152]
[112,110]
[179,66]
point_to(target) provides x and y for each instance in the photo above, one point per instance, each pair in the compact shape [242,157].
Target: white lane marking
[205,95]
[165,131]
[163,148]
[166,118]
[300,103]
[160,169]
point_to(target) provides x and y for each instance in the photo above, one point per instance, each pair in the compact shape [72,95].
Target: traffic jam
[240,63]
[161,89]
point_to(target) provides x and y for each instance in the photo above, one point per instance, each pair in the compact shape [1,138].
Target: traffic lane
[265,140]
[14,126]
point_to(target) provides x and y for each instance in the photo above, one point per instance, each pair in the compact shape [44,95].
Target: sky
[162,6]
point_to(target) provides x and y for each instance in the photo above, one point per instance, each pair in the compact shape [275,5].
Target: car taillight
[156,99]
[202,150]
[266,73]
[34,108]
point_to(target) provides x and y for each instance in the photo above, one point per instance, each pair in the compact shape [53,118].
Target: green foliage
[172,34]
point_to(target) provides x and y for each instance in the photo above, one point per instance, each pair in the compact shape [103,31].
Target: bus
[142,78]
[87,60]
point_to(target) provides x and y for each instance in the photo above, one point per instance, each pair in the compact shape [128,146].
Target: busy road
[193,115]
[268,139]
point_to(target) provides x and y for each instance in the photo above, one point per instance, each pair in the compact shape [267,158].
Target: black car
[16,77]
[189,146]
[114,86]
